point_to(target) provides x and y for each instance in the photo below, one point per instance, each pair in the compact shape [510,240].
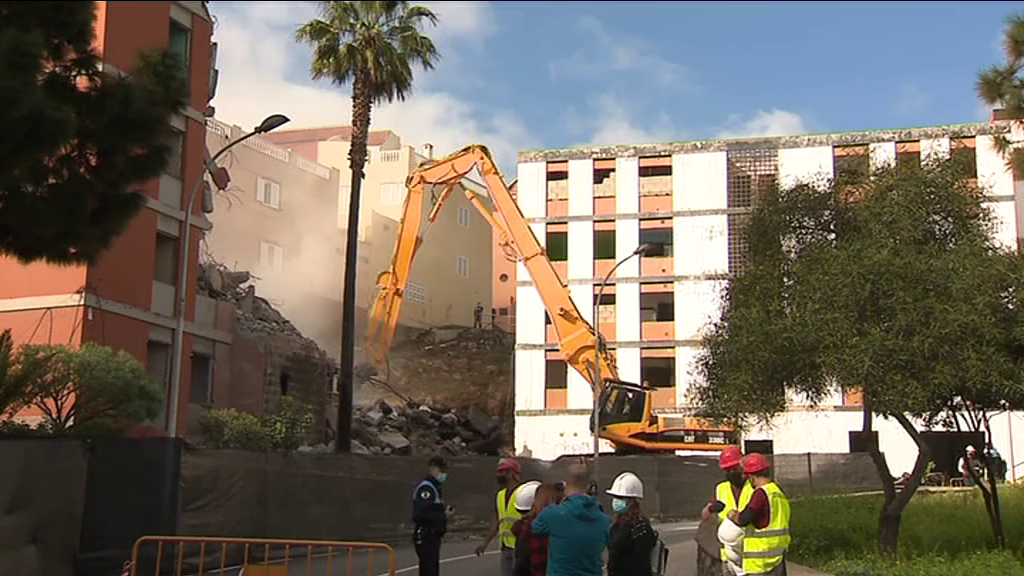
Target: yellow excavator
[626,417]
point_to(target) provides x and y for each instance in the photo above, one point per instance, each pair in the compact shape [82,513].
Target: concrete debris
[418,429]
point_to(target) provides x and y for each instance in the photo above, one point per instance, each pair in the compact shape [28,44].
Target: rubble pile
[418,429]
[253,315]
[455,367]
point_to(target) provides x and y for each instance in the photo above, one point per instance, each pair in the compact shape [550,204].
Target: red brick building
[126,300]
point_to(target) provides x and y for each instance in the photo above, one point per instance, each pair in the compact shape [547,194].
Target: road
[458,558]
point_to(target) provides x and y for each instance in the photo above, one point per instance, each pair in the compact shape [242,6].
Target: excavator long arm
[576,337]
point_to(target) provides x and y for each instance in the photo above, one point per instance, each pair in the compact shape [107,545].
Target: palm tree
[1003,86]
[373,46]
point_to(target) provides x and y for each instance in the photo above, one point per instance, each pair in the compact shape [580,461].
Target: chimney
[428,151]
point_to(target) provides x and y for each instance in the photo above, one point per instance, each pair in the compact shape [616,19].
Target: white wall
[530,364]
[549,437]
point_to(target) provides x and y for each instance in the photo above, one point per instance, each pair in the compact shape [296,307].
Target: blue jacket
[577,533]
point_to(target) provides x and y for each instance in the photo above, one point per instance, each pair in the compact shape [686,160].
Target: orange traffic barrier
[199,556]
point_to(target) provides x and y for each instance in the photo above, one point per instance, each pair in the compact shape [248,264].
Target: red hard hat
[729,457]
[754,463]
[508,465]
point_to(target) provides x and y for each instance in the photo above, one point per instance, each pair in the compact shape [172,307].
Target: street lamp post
[598,345]
[271,122]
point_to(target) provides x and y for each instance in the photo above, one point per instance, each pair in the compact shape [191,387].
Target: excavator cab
[623,402]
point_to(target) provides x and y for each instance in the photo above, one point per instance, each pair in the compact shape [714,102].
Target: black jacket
[428,507]
[629,548]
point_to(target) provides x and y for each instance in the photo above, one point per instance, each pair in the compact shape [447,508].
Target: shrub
[283,429]
[288,424]
[13,429]
[228,428]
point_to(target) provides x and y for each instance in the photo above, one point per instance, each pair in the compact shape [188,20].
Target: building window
[268,192]
[391,193]
[557,246]
[908,153]
[271,256]
[963,152]
[462,266]
[658,372]
[165,263]
[750,174]
[657,307]
[177,143]
[463,216]
[179,43]
[851,163]
[415,293]
[658,240]
[557,375]
[201,390]
[604,244]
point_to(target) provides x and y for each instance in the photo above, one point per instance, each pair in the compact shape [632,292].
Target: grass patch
[940,534]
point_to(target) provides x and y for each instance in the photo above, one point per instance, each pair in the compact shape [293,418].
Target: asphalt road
[457,557]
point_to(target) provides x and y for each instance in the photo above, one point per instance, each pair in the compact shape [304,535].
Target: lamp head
[272,122]
[642,250]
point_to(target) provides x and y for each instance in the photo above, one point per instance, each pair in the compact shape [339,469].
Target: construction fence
[78,507]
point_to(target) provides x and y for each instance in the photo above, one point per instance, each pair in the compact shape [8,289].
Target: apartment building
[687,198]
[126,300]
[452,270]
[278,220]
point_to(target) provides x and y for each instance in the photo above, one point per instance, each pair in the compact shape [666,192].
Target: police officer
[430,516]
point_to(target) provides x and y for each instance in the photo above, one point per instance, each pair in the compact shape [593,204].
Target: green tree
[91,390]
[77,143]
[373,46]
[891,285]
[1003,86]
[15,378]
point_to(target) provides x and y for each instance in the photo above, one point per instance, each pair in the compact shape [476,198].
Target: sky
[527,75]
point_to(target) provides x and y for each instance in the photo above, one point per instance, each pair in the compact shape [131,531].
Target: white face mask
[619,505]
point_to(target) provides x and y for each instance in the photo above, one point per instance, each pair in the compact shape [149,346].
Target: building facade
[452,270]
[278,220]
[503,281]
[592,210]
[131,307]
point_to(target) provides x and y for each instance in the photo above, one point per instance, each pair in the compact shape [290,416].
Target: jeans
[508,557]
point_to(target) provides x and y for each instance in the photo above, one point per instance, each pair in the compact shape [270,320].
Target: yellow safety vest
[765,549]
[723,493]
[507,516]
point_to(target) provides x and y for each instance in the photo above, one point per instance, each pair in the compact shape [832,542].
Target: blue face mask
[619,505]
[441,477]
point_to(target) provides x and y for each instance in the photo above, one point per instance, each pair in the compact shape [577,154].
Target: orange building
[126,299]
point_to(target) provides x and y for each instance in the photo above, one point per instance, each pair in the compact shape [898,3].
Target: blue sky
[556,74]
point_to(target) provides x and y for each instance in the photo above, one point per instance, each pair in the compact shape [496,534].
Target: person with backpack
[631,539]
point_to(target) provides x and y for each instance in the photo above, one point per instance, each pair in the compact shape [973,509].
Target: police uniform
[428,516]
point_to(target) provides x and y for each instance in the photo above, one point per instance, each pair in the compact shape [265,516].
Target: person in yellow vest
[765,519]
[731,494]
[507,475]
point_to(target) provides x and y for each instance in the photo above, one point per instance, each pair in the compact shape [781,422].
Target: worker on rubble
[430,517]
[507,477]
[732,494]
[765,520]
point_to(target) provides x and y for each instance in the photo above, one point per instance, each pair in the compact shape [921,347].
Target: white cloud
[617,125]
[763,124]
[912,100]
[612,52]
[264,71]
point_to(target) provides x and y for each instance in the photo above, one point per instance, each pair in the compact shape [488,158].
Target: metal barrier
[194,556]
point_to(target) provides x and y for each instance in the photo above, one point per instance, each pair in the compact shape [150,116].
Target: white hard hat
[729,533]
[733,555]
[971,449]
[525,495]
[627,485]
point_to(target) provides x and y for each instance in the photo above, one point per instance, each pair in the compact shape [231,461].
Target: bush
[288,424]
[232,429]
[12,429]
[940,534]
[283,429]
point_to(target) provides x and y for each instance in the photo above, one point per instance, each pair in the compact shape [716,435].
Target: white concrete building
[593,206]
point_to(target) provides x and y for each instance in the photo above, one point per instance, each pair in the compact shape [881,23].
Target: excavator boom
[576,336]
